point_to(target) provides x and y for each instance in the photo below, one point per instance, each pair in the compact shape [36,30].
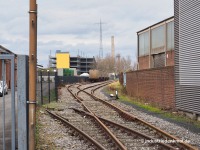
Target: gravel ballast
[53,135]
[189,133]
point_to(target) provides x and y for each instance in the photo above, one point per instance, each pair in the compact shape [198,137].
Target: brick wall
[170,58]
[143,62]
[156,86]
[7,71]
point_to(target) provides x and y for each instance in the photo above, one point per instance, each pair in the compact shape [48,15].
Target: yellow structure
[62,60]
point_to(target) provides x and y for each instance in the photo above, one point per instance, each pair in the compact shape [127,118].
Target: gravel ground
[181,130]
[54,135]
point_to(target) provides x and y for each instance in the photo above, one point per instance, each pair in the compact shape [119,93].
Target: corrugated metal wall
[187,55]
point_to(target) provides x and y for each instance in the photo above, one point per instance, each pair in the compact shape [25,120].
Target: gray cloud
[70,25]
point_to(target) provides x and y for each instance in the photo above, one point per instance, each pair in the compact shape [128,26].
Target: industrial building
[168,72]
[64,60]
[154,79]
[82,64]
[187,56]
[156,45]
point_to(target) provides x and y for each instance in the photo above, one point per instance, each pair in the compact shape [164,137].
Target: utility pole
[100,40]
[32,72]
[101,43]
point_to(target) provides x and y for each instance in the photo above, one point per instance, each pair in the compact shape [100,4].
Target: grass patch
[42,138]
[123,97]
[38,128]
[53,95]
[51,105]
[137,102]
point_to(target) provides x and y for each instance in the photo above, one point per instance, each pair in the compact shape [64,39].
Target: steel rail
[101,85]
[111,135]
[130,117]
[64,121]
[134,118]
[126,128]
[74,95]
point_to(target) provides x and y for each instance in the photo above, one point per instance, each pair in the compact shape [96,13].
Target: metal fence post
[56,84]
[49,84]
[22,88]
[3,110]
[41,86]
[13,100]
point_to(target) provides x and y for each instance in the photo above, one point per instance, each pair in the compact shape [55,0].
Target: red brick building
[156,45]
[154,79]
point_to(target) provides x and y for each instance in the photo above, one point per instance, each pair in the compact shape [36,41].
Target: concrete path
[7,121]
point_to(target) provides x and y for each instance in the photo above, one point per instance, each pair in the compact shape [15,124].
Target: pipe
[32,72]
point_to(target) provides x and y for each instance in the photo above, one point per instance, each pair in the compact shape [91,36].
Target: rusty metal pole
[32,72]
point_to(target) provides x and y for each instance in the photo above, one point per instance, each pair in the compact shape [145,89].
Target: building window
[144,44]
[158,40]
[170,36]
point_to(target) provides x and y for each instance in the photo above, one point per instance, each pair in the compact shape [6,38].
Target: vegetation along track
[113,128]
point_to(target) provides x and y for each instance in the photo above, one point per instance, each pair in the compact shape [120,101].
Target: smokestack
[112,47]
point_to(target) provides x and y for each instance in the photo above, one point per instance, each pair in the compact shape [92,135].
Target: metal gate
[7,103]
[12,135]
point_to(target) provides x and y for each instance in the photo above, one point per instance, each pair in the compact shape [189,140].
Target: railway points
[109,126]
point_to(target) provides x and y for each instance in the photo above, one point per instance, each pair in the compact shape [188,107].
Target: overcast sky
[71,25]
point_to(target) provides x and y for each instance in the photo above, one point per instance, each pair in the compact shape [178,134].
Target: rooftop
[155,24]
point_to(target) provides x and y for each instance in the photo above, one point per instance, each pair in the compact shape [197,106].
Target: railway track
[77,130]
[113,128]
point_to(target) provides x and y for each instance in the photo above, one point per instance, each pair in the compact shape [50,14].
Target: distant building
[81,64]
[62,60]
[156,45]
[4,51]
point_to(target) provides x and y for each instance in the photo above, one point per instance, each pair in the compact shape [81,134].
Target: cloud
[73,25]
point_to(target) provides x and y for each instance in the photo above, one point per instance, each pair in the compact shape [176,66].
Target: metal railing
[13,118]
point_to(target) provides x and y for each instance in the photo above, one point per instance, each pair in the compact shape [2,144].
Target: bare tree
[110,64]
[123,64]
